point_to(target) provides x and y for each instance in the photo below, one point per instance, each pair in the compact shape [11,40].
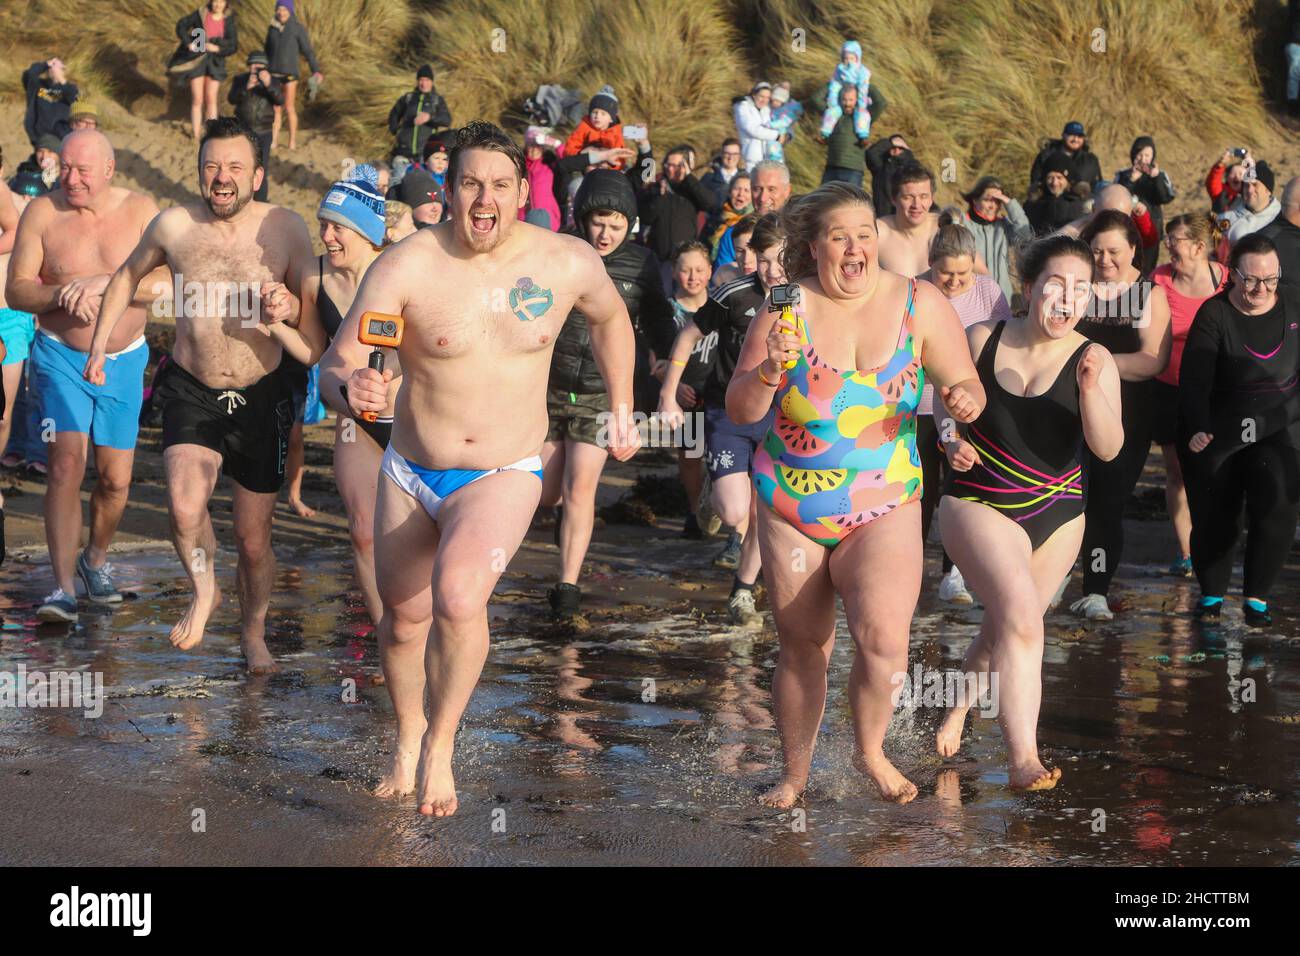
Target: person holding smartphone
[1151,186]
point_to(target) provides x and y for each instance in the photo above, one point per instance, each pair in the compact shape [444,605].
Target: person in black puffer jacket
[574,453]
[670,206]
[1073,145]
[1150,184]
[1056,205]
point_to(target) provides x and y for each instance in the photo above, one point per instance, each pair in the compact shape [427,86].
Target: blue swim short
[16,331]
[109,413]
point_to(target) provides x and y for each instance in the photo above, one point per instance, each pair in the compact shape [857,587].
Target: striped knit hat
[355,202]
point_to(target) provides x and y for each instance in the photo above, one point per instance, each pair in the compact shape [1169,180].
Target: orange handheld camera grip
[381,330]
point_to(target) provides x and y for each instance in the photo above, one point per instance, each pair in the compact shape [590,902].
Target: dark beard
[241,200]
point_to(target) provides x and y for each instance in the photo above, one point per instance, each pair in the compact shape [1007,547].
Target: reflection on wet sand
[642,738]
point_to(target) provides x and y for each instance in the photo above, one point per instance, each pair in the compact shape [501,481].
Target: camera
[784,296]
[1240,152]
[380,329]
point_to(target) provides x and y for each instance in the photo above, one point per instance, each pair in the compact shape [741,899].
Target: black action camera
[784,295]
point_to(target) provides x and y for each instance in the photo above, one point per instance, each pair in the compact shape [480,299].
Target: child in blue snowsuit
[785,114]
[850,72]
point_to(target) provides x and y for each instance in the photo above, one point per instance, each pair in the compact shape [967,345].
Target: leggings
[1107,486]
[933,465]
[1264,477]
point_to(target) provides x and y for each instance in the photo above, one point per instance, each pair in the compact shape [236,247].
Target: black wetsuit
[1238,383]
[1029,449]
[1109,484]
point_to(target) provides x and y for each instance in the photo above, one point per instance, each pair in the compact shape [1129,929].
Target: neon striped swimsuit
[842,449]
[1029,448]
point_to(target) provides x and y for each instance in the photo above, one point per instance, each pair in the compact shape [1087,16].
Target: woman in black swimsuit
[1012,510]
[328,289]
[1130,318]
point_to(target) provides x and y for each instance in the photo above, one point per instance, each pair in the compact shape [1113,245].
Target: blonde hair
[1202,227]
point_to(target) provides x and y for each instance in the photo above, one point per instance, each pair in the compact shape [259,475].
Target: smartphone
[634,132]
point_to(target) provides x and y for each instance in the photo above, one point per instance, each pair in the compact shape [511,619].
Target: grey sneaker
[98,582]
[741,608]
[1093,607]
[729,556]
[58,607]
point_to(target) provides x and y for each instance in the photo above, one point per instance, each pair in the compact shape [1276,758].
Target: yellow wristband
[679,362]
[761,378]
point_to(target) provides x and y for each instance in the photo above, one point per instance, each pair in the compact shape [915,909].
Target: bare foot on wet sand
[785,794]
[301,508]
[893,786]
[1033,776]
[947,740]
[400,780]
[188,632]
[436,787]
[257,657]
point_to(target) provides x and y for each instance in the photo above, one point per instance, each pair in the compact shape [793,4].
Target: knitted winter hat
[1264,174]
[419,187]
[606,101]
[1057,163]
[355,202]
[424,71]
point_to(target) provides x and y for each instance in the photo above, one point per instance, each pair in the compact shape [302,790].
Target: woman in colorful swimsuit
[838,473]
[1013,506]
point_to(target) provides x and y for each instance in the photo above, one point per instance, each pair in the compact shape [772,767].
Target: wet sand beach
[642,736]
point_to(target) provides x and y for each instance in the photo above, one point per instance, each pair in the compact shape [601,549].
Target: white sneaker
[742,610]
[1093,607]
[953,588]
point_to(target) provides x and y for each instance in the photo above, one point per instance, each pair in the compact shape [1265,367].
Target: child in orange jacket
[599,128]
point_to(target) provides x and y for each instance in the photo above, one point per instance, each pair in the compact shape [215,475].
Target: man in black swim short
[225,404]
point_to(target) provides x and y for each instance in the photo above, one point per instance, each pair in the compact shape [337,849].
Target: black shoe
[1256,618]
[1209,612]
[559,518]
[565,599]
[691,530]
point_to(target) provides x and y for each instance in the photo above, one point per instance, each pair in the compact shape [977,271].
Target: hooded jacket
[285,45]
[635,274]
[49,104]
[401,121]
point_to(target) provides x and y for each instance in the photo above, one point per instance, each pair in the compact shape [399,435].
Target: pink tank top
[215,29]
[1182,310]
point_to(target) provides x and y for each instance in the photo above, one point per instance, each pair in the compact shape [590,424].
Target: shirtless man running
[483,297]
[225,405]
[905,236]
[67,245]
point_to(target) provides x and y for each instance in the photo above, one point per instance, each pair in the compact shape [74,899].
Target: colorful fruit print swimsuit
[842,450]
